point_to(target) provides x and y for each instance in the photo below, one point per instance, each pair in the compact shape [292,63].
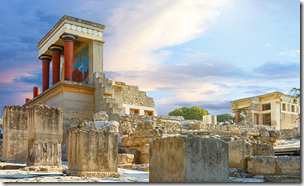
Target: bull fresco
[81,65]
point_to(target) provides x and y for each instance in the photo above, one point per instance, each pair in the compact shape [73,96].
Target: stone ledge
[140,167]
[93,174]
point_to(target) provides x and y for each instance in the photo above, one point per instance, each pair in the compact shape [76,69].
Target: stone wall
[133,96]
[45,124]
[188,159]
[15,133]
[274,165]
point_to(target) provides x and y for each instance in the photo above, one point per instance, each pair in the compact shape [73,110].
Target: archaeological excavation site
[88,128]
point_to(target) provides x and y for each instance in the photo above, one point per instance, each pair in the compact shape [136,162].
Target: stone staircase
[104,98]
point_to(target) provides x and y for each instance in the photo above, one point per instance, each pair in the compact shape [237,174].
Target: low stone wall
[274,165]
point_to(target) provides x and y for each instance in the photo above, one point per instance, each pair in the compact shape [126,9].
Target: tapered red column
[68,55]
[27,100]
[45,71]
[237,116]
[56,52]
[36,91]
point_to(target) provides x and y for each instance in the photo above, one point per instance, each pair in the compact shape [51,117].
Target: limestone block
[106,126]
[45,128]
[144,159]
[93,153]
[269,140]
[188,159]
[274,165]
[288,165]
[125,158]
[263,150]
[142,133]
[14,133]
[238,151]
[275,133]
[139,142]
[100,116]
[144,149]
[147,124]
[264,134]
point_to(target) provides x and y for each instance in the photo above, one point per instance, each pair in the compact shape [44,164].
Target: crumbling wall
[44,136]
[133,96]
[15,133]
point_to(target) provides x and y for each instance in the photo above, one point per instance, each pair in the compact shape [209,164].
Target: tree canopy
[228,117]
[192,113]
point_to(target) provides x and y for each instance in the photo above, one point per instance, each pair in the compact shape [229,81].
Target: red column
[27,100]
[237,116]
[36,91]
[68,55]
[45,71]
[56,51]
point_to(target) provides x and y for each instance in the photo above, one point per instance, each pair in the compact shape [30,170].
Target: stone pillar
[36,91]
[45,71]
[188,159]
[27,100]
[56,52]
[44,136]
[237,116]
[93,153]
[68,54]
[96,56]
[14,133]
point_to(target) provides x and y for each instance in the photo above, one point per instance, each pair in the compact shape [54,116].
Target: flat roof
[263,95]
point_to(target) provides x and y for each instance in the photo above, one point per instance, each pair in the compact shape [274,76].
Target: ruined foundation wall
[14,133]
[133,96]
[45,124]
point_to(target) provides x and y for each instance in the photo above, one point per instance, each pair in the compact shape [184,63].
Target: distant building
[274,110]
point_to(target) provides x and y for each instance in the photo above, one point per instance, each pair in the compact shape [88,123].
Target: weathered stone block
[238,151]
[14,133]
[100,116]
[263,150]
[45,124]
[144,159]
[274,165]
[93,153]
[188,159]
[125,158]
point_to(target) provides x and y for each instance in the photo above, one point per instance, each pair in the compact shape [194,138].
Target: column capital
[68,37]
[45,58]
[56,48]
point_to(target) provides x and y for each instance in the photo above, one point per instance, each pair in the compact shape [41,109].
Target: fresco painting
[81,65]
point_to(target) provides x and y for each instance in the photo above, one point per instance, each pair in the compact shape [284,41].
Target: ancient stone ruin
[188,159]
[44,136]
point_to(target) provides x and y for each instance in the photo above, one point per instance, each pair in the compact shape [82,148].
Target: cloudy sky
[181,52]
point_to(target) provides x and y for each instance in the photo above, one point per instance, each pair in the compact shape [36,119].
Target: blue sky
[182,53]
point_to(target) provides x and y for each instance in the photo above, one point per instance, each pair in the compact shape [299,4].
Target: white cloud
[290,53]
[267,44]
[141,27]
